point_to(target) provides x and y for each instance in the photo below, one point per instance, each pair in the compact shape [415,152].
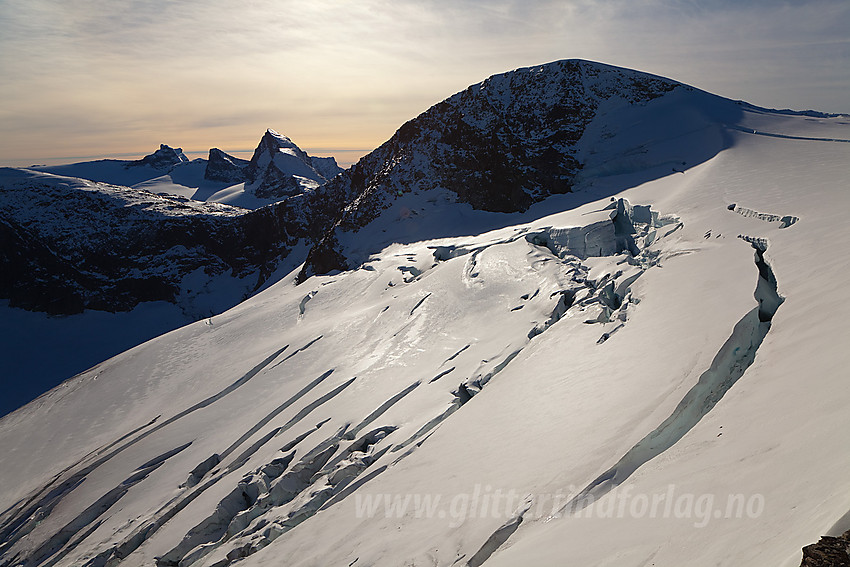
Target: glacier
[647,368]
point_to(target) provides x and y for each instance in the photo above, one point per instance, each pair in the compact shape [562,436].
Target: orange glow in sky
[96,78]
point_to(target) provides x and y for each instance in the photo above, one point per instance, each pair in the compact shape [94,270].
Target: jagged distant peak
[165,157]
[272,136]
[279,168]
[274,141]
[283,141]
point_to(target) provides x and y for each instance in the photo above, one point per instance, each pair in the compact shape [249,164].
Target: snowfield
[650,370]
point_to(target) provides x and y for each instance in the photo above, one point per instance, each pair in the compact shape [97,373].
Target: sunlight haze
[87,79]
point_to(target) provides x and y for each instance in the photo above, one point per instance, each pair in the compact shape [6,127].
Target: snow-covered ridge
[518,138]
[72,245]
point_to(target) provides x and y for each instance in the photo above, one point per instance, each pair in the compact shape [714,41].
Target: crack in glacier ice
[61,542]
[382,409]
[785,221]
[42,506]
[729,365]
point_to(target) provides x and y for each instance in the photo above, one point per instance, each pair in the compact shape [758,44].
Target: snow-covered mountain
[515,140]
[280,169]
[628,351]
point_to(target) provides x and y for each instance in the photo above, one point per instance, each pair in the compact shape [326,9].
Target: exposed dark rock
[500,145]
[225,167]
[828,552]
[164,158]
[323,258]
[275,184]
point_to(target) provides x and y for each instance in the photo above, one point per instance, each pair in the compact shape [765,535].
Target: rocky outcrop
[828,552]
[224,167]
[164,158]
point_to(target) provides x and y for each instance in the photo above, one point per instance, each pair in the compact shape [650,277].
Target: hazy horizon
[92,79]
[345,157]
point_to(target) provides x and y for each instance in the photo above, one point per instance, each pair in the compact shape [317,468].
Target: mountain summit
[164,158]
[280,169]
[516,139]
[224,167]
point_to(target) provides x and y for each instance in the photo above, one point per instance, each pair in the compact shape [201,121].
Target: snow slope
[88,270]
[535,377]
[40,351]
[126,250]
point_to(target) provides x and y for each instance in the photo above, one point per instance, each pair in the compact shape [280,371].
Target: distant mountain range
[278,169]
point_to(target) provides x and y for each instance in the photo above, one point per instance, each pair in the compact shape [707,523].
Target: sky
[83,79]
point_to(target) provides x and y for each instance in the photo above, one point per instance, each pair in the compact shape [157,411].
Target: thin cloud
[346,74]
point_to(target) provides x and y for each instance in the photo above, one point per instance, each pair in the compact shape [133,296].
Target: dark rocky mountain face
[69,246]
[225,167]
[276,184]
[828,552]
[164,158]
[500,145]
[507,142]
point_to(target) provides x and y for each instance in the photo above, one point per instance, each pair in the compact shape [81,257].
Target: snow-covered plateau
[574,315]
